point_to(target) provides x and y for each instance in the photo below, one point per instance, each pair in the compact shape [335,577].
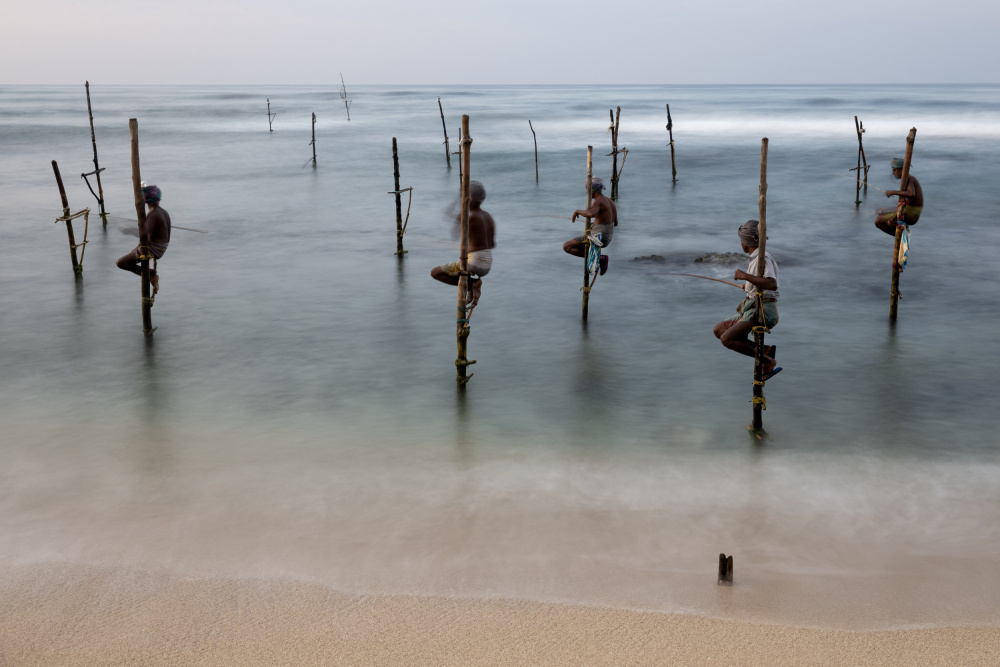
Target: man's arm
[591,213]
[908,193]
[763,284]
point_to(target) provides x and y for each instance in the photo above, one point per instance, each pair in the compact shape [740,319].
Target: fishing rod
[694,275]
[186,229]
[865,183]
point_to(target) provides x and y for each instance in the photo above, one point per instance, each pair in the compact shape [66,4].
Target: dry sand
[72,615]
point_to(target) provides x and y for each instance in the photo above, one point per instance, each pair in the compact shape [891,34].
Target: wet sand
[73,615]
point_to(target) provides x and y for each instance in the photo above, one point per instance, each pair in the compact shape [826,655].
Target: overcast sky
[522,41]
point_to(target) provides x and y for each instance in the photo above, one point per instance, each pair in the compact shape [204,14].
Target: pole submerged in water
[447,147]
[313,142]
[97,168]
[614,151]
[462,329]
[670,129]
[586,233]
[904,180]
[535,137]
[399,200]
[270,116]
[140,210]
[759,404]
[77,267]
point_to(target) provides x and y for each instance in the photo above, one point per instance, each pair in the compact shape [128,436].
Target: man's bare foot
[477,291]
[767,365]
[154,280]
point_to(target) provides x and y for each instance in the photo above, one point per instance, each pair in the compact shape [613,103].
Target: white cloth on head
[480,262]
[770,271]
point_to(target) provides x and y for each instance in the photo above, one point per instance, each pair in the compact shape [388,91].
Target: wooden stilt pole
[77,268]
[313,142]
[459,154]
[725,570]
[904,180]
[757,428]
[97,168]
[614,153]
[673,161]
[857,171]
[535,137]
[447,147]
[462,330]
[586,233]
[140,210]
[270,116]
[399,200]
[864,161]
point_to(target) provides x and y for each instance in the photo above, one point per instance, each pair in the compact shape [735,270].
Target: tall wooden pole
[673,162]
[77,268]
[399,200]
[140,211]
[614,153]
[857,180]
[535,137]
[447,147]
[270,116]
[586,233]
[313,142]
[864,160]
[859,127]
[459,152]
[757,427]
[97,167]
[462,330]
[904,181]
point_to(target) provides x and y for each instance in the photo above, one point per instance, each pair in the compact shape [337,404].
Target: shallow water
[296,415]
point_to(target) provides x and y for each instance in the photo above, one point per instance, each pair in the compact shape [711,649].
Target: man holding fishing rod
[157,235]
[911,203]
[605,216]
[734,333]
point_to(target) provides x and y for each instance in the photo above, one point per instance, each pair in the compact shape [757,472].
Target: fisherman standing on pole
[734,332]
[910,206]
[157,233]
[605,215]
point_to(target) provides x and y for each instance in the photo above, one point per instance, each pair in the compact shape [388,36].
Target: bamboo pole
[857,171]
[535,137]
[140,210]
[399,200]
[447,147]
[615,119]
[97,167]
[459,154]
[673,161]
[270,116]
[313,142]
[343,96]
[77,267]
[757,428]
[462,329]
[586,233]
[904,181]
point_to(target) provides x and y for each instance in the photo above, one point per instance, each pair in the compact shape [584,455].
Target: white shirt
[770,271]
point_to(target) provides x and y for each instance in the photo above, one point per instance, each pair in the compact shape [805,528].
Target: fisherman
[734,333]
[605,216]
[157,233]
[911,203]
[482,240]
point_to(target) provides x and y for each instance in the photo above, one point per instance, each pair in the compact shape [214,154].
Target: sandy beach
[70,615]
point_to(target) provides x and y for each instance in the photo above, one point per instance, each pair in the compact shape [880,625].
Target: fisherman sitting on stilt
[482,240]
[909,208]
[734,332]
[157,234]
[605,219]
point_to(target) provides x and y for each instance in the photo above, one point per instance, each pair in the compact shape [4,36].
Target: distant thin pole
[77,267]
[535,137]
[399,200]
[97,168]
[343,96]
[447,146]
[313,142]
[270,116]
[673,161]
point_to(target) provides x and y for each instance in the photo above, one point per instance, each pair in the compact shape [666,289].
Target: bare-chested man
[605,219]
[157,232]
[482,240]
[911,203]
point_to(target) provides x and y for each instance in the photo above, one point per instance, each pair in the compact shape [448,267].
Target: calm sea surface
[295,414]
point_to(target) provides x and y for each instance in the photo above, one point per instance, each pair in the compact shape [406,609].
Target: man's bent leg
[735,337]
[130,262]
[575,247]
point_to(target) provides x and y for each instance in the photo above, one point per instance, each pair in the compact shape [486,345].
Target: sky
[516,42]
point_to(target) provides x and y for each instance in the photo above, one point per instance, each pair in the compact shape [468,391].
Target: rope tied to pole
[760,400]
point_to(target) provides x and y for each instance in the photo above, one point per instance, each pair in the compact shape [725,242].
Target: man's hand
[740,275]
[573,219]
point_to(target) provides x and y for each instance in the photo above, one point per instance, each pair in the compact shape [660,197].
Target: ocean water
[295,414]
